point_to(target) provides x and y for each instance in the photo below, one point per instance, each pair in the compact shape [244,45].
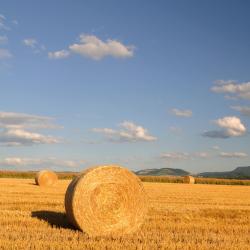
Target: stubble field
[181,216]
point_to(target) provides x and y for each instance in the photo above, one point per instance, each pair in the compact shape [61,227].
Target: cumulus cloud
[59,54]
[232,88]
[127,132]
[5,54]
[20,137]
[30,42]
[242,109]
[175,156]
[182,113]
[180,156]
[175,130]
[3,40]
[94,48]
[15,22]
[215,147]
[3,25]
[233,154]
[231,126]
[201,155]
[23,120]
[38,162]
[17,129]
[34,45]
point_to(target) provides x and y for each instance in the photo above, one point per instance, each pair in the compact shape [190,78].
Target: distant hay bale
[106,200]
[189,179]
[46,178]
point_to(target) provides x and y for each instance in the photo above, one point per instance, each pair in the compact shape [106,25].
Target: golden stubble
[181,216]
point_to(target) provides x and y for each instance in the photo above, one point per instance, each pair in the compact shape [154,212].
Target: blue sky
[143,84]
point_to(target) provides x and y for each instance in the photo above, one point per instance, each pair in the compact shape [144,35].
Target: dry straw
[189,179]
[106,200]
[46,178]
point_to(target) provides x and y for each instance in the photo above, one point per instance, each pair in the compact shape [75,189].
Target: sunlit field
[181,216]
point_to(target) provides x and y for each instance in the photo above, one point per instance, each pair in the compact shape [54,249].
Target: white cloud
[16,129]
[128,132]
[182,113]
[59,54]
[3,40]
[235,89]
[50,162]
[30,42]
[34,45]
[94,48]
[175,130]
[23,120]
[216,147]
[2,23]
[15,22]
[20,137]
[5,54]
[180,156]
[175,156]
[242,109]
[233,154]
[201,155]
[231,127]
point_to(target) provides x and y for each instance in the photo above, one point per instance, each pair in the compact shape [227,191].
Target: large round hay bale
[46,178]
[189,179]
[106,200]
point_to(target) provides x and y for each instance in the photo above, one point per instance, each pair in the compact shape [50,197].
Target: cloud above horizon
[39,162]
[182,112]
[59,54]
[19,129]
[127,132]
[180,156]
[3,39]
[244,110]
[232,89]
[33,44]
[94,48]
[233,154]
[231,126]
[30,42]
[5,54]
[3,25]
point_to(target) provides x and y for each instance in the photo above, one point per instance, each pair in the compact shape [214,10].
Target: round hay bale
[189,179]
[46,178]
[106,200]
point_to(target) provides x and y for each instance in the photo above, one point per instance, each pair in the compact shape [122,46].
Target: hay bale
[106,200]
[46,178]
[189,179]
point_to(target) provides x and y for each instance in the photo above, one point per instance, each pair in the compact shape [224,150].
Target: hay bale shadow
[54,219]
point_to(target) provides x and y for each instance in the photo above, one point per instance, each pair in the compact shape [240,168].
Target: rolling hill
[162,171]
[238,173]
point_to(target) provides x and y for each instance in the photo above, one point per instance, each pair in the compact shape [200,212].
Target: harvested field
[181,216]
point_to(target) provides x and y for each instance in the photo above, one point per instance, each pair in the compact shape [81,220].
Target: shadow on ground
[55,219]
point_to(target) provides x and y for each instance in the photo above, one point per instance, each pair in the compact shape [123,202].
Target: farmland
[180,216]
[148,178]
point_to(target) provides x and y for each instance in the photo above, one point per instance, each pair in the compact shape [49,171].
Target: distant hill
[162,171]
[238,173]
